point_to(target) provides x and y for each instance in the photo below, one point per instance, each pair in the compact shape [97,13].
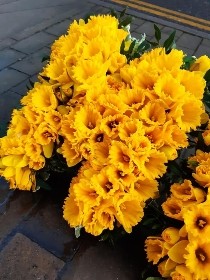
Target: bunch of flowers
[123,112]
[182,251]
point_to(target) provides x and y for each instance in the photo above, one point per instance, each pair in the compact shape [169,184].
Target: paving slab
[206,42]
[31,13]
[76,8]
[202,50]
[6,43]
[8,101]
[101,260]
[169,30]
[189,41]
[34,42]
[14,209]
[46,226]
[147,28]
[9,78]
[8,57]
[24,259]
[5,192]
[60,28]
[22,87]
[32,64]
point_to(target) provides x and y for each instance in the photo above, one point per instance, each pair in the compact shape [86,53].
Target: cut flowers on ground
[133,117]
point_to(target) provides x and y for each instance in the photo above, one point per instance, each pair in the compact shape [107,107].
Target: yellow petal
[183,231]
[177,252]
[8,172]
[200,195]
[204,118]
[48,149]
[25,177]
[1,164]
[18,175]
[13,160]
[171,235]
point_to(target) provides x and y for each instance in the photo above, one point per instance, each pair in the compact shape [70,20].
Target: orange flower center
[120,174]
[100,137]
[90,125]
[47,134]
[56,119]
[126,158]
[113,124]
[201,222]
[201,255]
[108,186]
[187,191]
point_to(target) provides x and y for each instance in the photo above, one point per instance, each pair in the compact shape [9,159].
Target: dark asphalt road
[196,8]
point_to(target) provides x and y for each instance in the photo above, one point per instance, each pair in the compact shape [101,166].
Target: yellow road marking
[175,16]
[179,14]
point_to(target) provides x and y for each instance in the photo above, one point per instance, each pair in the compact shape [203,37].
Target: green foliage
[112,236]
[3,129]
[31,85]
[169,43]
[124,20]
[206,97]
[41,184]
[77,231]
[157,33]
[45,58]
[155,278]
[207,77]
[136,49]
[188,61]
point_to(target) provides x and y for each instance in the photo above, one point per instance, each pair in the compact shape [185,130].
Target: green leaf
[170,42]
[105,236]
[78,231]
[157,33]
[207,76]
[154,44]
[31,83]
[125,21]
[42,184]
[113,13]
[122,47]
[132,45]
[45,58]
[87,17]
[44,175]
[149,221]
[123,12]
[155,278]
[3,129]
[188,61]
[143,46]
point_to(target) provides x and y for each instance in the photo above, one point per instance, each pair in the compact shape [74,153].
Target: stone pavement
[35,241]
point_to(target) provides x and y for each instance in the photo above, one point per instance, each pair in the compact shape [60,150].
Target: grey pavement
[32,226]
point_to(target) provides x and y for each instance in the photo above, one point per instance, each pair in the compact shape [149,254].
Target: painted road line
[168,14]
[179,14]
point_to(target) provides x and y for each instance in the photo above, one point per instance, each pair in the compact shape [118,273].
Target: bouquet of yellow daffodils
[121,110]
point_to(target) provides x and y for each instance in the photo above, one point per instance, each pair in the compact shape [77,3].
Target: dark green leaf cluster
[124,20]
[3,129]
[206,98]
[168,44]
[188,61]
[135,49]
